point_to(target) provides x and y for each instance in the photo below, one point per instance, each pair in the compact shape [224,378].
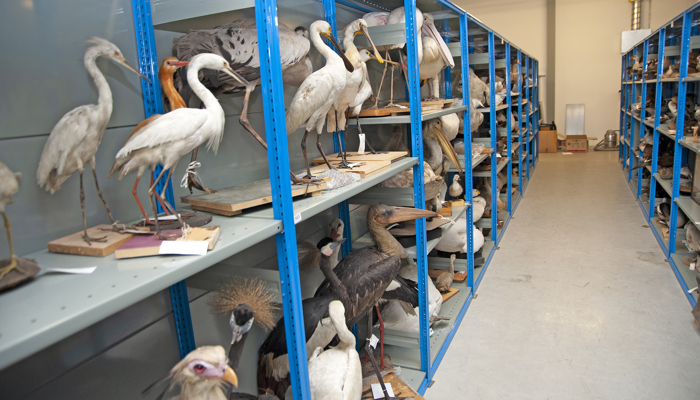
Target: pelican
[336,373]
[353,80]
[319,91]
[455,240]
[9,185]
[201,375]
[436,144]
[435,56]
[167,138]
[74,140]
[165,75]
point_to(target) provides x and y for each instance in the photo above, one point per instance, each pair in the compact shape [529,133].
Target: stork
[9,185]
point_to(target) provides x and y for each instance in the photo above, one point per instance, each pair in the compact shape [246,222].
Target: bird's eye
[116,53]
[199,368]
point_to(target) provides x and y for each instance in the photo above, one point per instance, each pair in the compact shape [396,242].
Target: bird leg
[164,204]
[82,208]
[391,92]
[320,148]
[243,119]
[13,261]
[136,197]
[368,352]
[192,175]
[99,193]
[381,338]
[376,100]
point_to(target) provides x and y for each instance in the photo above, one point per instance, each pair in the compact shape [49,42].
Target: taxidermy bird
[74,140]
[201,375]
[437,147]
[436,56]
[237,43]
[478,89]
[336,373]
[455,240]
[364,93]
[456,189]
[478,205]
[319,91]
[170,136]
[9,185]
[249,301]
[353,82]
[663,212]
[692,235]
[444,280]
[309,255]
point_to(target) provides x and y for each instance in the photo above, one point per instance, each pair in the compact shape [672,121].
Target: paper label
[692,266]
[373,341]
[297,218]
[431,332]
[86,270]
[192,248]
[377,392]
[165,218]
[361,148]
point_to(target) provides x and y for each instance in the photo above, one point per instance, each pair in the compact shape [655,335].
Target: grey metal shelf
[310,206]
[665,183]
[55,306]
[405,119]
[692,146]
[685,272]
[663,129]
[486,174]
[690,208]
[183,15]
[475,161]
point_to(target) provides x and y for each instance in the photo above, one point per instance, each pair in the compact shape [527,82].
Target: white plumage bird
[435,56]
[336,373]
[74,140]
[201,375]
[319,91]
[170,136]
[9,185]
[455,240]
[456,189]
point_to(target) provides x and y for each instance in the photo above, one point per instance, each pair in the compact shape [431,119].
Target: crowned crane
[168,137]
[319,91]
[354,81]
[237,42]
[201,375]
[366,274]
[9,185]
[74,140]
[336,373]
[165,75]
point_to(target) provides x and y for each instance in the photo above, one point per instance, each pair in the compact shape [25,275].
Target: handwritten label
[297,218]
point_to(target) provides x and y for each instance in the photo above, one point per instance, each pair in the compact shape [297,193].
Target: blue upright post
[153,104]
[528,128]
[468,179]
[633,131]
[509,115]
[533,106]
[447,72]
[278,159]
[680,127]
[494,137]
[642,116]
[521,146]
[657,116]
[418,184]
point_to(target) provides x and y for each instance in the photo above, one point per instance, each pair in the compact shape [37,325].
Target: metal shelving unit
[673,42]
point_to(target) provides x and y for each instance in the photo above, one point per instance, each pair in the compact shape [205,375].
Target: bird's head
[215,62]
[434,130]
[105,48]
[301,31]
[171,64]
[242,319]
[323,28]
[359,26]
[204,365]
[384,215]
[337,228]
[327,246]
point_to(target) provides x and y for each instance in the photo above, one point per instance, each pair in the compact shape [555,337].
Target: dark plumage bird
[663,212]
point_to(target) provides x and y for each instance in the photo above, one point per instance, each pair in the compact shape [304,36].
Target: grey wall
[42,78]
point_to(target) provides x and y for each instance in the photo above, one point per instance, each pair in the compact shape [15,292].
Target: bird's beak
[178,64]
[134,70]
[369,39]
[334,234]
[401,214]
[229,376]
[236,336]
[447,149]
[235,75]
[334,245]
[341,53]
[442,47]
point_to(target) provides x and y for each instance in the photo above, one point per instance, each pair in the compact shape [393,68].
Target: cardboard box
[548,141]
[576,143]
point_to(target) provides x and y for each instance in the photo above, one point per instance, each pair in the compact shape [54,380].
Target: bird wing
[172,127]
[311,96]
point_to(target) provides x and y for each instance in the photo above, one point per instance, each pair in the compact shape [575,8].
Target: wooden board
[460,276]
[354,157]
[367,168]
[445,211]
[380,112]
[75,244]
[239,197]
[452,293]
[400,388]
[149,245]
[457,203]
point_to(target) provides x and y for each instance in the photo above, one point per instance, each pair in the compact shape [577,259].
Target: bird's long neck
[346,337]
[166,82]
[385,241]
[201,91]
[332,58]
[234,355]
[104,100]
[337,285]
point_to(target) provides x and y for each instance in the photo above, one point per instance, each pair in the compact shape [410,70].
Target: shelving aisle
[578,302]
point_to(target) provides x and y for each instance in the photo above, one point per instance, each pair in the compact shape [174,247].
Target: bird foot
[119,228]
[7,269]
[89,239]
[307,180]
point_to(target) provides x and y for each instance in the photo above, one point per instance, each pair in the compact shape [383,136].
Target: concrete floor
[578,303]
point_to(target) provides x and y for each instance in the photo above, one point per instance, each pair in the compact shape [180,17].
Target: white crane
[319,91]
[164,139]
[74,140]
[336,373]
[9,185]
[353,82]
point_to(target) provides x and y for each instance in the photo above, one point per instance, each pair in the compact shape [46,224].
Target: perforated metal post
[680,127]
[657,117]
[633,131]
[447,72]
[521,147]
[418,183]
[494,137]
[153,104]
[509,114]
[622,104]
[642,116]
[468,179]
[278,159]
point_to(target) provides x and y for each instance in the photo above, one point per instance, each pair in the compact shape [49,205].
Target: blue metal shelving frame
[666,36]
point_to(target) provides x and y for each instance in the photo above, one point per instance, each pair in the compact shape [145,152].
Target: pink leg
[381,338]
